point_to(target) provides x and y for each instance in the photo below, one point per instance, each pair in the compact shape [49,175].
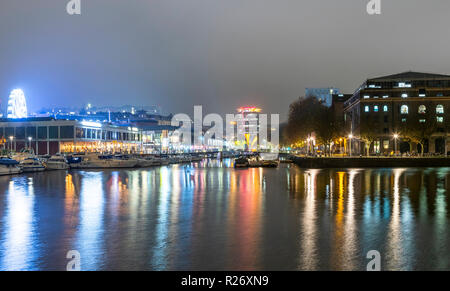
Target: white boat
[95,161]
[57,162]
[9,166]
[23,155]
[31,165]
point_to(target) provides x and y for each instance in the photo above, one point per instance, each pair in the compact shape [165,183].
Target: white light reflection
[350,230]
[90,235]
[18,245]
[395,248]
[308,254]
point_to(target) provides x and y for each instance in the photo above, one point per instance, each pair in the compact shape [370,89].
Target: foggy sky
[218,53]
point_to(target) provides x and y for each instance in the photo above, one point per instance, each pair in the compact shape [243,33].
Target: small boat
[31,165]
[9,166]
[263,164]
[57,162]
[241,162]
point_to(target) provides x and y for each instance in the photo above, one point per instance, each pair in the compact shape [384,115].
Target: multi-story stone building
[388,108]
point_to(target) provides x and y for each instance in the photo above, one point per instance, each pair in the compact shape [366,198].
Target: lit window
[366,108]
[422,120]
[440,119]
[366,96]
[422,109]
[385,108]
[404,85]
[386,144]
[404,95]
[375,108]
[440,109]
[404,109]
[422,93]
[403,119]
[385,96]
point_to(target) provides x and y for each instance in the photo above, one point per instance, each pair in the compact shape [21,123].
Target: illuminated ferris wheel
[17,105]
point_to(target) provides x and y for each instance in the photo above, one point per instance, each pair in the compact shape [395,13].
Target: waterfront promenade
[370,162]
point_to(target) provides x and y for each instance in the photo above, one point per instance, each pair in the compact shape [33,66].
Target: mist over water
[210,216]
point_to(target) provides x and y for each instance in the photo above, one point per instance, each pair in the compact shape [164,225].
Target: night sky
[218,53]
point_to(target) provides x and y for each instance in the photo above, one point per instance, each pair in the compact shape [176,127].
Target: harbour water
[210,216]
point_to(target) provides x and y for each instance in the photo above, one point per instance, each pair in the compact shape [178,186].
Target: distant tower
[17,105]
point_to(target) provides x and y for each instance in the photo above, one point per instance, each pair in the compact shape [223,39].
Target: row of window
[439,119]
[406,84]
[88,133]
[404,109]
[40,132]
[422,109]
[421,93]
[376,108]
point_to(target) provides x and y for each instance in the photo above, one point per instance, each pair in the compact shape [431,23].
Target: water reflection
[211,216]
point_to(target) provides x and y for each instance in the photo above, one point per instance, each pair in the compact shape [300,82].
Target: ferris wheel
[17,105]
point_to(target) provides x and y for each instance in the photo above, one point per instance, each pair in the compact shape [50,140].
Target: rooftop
[411,76]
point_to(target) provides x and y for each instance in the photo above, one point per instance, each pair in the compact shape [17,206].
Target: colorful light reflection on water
[213,217]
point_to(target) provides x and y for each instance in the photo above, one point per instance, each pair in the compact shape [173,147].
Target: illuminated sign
[249,109]
[91,124]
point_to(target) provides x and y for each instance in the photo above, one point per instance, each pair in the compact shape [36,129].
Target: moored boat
[31,165]
[9,166]
[241,162]
[57,162]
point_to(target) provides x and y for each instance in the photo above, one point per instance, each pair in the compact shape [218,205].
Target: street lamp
[395,143]
[350,136]
[308,140]
[29,141]
[11,138]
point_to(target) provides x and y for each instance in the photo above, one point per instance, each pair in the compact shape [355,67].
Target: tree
[308,115]
[328,127]
[368,135]
[302,118]
[419,127]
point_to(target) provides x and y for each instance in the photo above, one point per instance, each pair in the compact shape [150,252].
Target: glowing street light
[395,142]
[11,138]
[350,137]
[29,141]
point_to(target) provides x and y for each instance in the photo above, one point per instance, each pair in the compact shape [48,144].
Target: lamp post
[307,145]
[11,138]
[350,136]
[395,143]
[29,142]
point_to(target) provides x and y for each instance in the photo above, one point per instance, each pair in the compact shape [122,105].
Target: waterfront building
[48,136]
[395,112]
[323,94]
